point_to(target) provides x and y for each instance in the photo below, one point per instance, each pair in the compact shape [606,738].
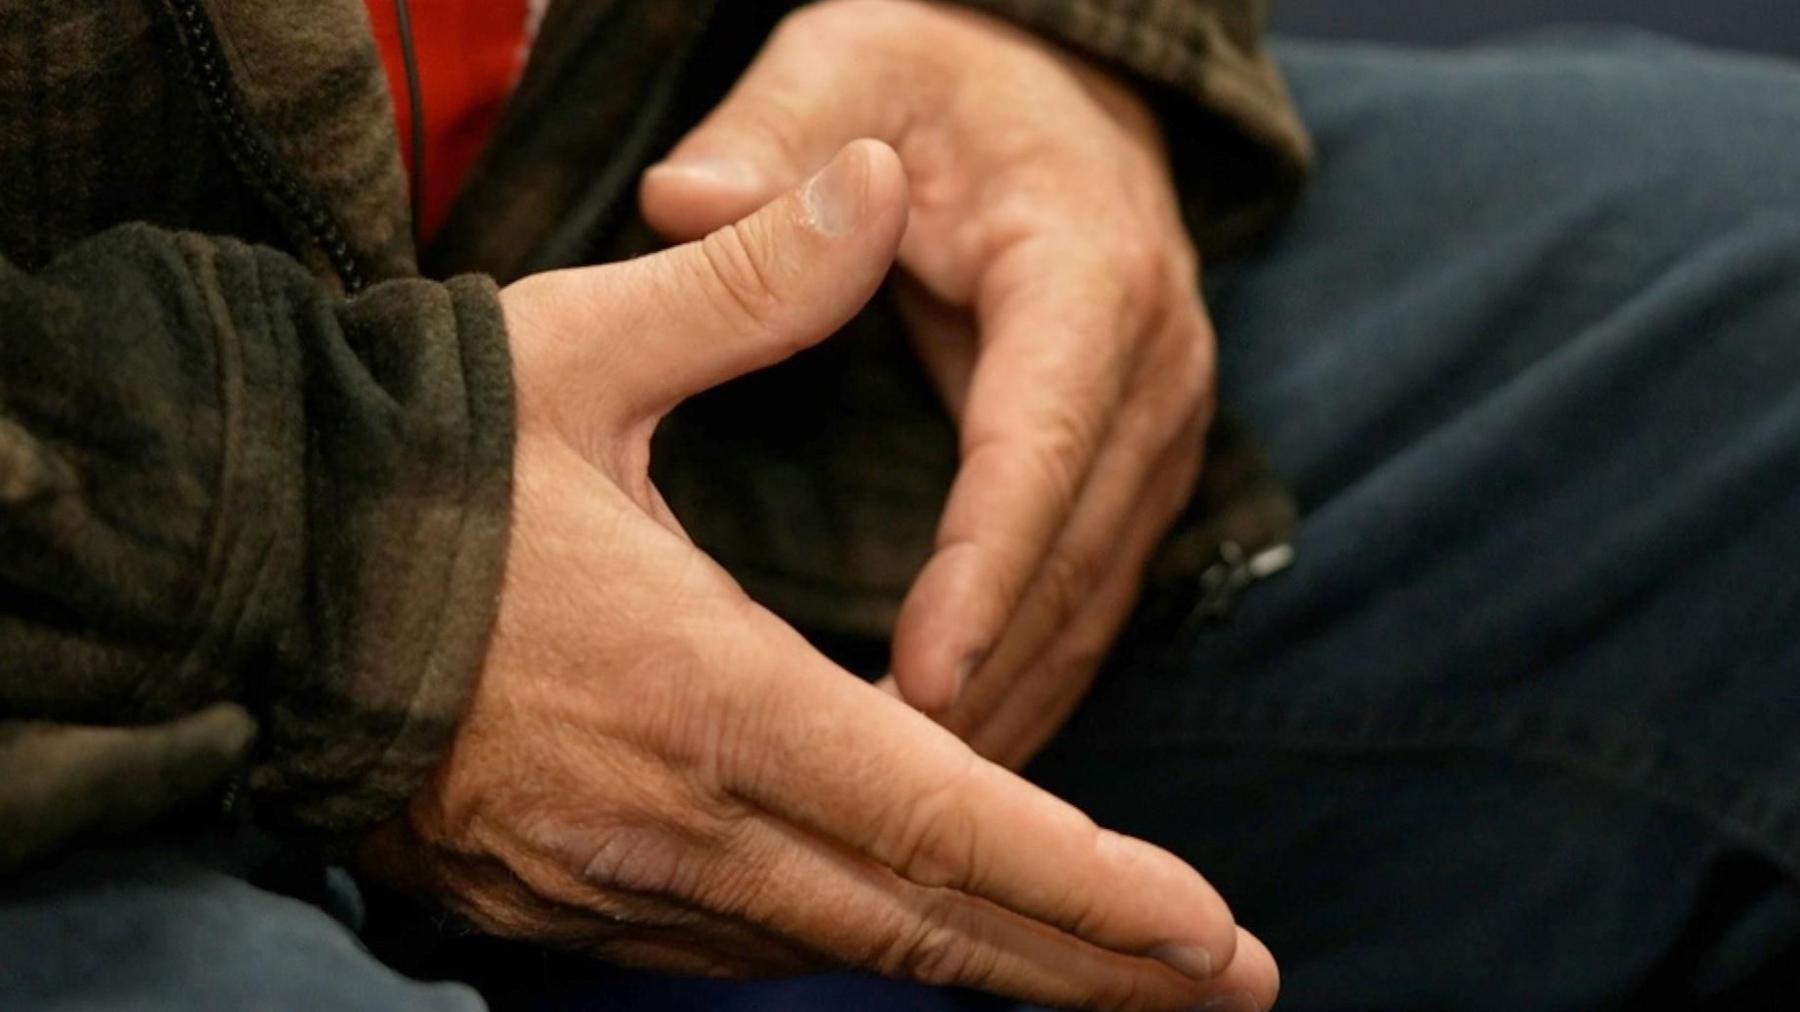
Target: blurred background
[1768,25]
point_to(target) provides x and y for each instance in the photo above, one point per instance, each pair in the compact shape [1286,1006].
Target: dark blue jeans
[1521,728]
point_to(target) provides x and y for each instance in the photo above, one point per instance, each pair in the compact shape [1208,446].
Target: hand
[1053,295]
[656,770]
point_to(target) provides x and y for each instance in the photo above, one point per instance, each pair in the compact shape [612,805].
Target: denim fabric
[1521,728]
[212,921]
[1765,25]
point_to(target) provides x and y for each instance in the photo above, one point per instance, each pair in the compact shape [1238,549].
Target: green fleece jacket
[255,465]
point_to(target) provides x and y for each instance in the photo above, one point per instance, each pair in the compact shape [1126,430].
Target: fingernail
[834,197]
[1188,960]
[964,671]
[1236,1001]
[710,170]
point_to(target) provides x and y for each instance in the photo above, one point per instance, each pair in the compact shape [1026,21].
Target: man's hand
[1053,295]
[656,770]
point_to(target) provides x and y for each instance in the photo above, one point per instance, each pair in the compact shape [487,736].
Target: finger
[859,768]
[780,122]
[755,292]
[1109,524]
[1251,983]
[1082,594]
[857,913]
[1011,718]
[1039,406]
[1018,724]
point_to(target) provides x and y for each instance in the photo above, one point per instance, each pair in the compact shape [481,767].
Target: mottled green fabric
[255,470]
[222,483]
[1238,146]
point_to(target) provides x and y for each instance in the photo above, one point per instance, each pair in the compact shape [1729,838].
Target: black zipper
[298,208]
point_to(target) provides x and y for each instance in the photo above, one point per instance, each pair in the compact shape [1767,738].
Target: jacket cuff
[408,518]
[1240,152]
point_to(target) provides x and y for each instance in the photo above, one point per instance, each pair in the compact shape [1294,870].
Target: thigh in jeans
[200,920]
[1517,730]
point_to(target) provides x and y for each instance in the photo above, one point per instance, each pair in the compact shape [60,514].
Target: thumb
[757,291]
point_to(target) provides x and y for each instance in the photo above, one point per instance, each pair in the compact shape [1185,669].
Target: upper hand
[657,770]
[1053,294]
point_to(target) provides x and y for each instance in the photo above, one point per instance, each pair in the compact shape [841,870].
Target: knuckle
[661,880]
[1067,577]
[1142,262]
[1085,910]
[931,840]
[943,949]
[644,861]
[1055,456]
[742,290]
[1057,465]
[735,876]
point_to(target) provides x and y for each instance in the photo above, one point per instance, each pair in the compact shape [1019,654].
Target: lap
[180,926]
[1530,352]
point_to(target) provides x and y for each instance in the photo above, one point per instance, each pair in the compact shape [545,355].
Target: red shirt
[470,54]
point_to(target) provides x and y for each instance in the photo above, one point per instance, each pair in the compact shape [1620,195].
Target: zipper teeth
[250,154]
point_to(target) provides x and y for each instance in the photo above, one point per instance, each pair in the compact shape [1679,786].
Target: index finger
[849,762]
[1048,378]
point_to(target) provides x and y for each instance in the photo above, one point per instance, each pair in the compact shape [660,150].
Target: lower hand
[656,770]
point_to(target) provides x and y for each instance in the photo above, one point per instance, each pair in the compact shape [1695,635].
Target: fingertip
[943,634]
[685,198]
[1252,973]
[888,192]
[926,689]
[861,191]
[1200,936]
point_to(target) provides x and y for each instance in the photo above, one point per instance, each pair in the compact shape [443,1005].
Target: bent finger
[1063,629]
[1039,407]
[1012,718]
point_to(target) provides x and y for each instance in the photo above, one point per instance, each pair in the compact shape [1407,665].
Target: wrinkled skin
[656,770]
[1052,293]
